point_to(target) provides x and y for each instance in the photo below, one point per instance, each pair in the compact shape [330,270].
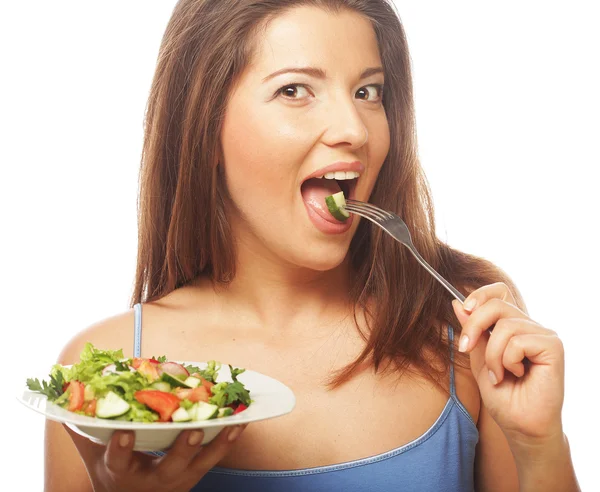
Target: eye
[373,95]
[293,91]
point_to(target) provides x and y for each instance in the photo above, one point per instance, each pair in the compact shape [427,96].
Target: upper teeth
[341,175]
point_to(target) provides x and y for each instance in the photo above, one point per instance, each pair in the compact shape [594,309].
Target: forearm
[545,466]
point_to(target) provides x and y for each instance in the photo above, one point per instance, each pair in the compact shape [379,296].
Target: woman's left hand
[524,397]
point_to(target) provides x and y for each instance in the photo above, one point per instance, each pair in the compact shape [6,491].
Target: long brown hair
[183,229]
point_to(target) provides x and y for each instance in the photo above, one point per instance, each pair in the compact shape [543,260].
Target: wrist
[544,464]
[539,449]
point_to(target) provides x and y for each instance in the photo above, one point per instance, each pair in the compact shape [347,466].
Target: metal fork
[395,227]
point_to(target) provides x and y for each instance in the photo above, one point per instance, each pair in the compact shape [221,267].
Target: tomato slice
[89,408]
[76,390]
[193,394]
[149,369]
[136,362]
[161,402]
[208,385]
[240,408]
[199,394]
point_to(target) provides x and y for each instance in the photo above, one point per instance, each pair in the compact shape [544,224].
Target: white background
[508,121]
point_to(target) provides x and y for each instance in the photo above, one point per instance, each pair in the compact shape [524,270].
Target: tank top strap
[137,330]
[451,345]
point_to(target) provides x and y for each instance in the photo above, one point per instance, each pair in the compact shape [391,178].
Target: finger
[119,452]
[485,316]
[217,449]
[497,344]
[498,290]
[187,445]
[539,349]
[461,314]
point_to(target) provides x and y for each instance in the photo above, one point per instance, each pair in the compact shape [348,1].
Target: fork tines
[366,208]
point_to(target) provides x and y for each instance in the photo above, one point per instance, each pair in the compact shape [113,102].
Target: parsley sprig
[53,390]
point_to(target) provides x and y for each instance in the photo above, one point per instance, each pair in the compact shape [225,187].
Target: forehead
[310,36]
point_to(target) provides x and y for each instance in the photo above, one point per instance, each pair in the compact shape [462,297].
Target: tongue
[314,192]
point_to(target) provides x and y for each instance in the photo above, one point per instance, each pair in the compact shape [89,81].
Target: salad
[106,385]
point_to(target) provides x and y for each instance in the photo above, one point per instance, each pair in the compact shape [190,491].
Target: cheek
[383,145]
[254,171]
[379,146]
[380,139]
[262,153]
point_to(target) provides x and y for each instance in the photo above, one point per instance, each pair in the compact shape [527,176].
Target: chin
[321,259]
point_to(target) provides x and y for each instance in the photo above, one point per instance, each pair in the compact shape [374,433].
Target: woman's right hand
[116,467]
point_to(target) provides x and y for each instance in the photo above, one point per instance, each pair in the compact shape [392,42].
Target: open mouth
[314,190]
[334,182]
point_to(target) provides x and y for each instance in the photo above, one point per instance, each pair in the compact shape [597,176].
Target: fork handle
[442,280]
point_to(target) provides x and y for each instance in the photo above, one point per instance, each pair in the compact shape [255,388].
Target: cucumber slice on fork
[336,204]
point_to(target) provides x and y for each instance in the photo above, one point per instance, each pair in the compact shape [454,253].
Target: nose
[345,126]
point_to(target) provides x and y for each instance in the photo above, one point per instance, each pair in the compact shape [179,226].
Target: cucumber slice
[225,412]
[181,415]
[336,204]
[162,386]
[112,405]
[173,381]
[203,411]
[192,382]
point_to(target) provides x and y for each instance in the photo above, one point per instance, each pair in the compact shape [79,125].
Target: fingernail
[195,438]
[470,304]
[234,433]
[493,378]
[463,344]
[124,440]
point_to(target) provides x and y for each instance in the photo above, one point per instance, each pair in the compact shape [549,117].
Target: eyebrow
[319,73]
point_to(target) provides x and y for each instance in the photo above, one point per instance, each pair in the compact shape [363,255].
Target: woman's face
[283,130]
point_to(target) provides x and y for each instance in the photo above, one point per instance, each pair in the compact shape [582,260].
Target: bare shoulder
[110,333]
[168,325]
[161,316]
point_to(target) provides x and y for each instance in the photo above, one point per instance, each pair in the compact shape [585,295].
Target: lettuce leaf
[138,413]
[92,361]
[186,404]
[124,384]
[90,353]
[210,373]
[235,372]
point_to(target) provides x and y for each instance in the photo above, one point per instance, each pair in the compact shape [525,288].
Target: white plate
[271,399]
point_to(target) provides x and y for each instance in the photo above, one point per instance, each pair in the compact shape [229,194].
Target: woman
[252,103]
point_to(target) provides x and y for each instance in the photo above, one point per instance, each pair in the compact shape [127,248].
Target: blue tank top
[441,459]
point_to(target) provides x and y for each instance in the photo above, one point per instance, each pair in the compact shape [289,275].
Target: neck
[273,294]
